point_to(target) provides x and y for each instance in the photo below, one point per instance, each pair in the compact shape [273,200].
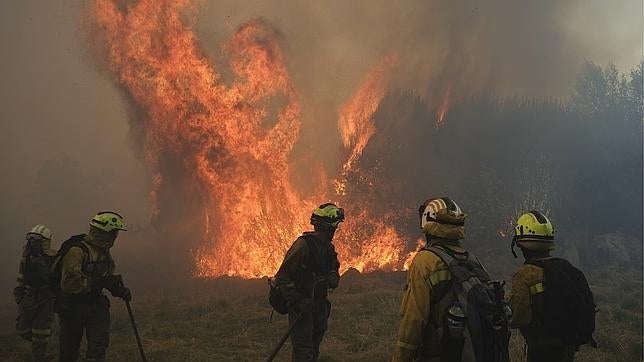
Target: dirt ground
[229,320]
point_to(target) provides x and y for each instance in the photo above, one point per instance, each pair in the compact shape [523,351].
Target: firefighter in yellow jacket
[534,234]
[87,269]
[309,269]
[424,302]
[34,293]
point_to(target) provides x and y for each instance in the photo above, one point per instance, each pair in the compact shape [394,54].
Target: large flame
[234,135]
[356,116]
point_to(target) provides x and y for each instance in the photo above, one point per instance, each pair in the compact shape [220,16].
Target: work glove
[114,283]
[123,293]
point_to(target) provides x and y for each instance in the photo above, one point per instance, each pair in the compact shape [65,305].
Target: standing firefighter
[451,310]
[86,267]
[309,269]
[552,302]
[34,293]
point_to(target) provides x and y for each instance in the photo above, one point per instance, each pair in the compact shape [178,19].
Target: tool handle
[279,345]
[136,331]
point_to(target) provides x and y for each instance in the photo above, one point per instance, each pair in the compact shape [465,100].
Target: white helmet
[40,230]
[443,218]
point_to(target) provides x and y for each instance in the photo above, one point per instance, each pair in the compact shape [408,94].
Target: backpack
[481,303]
[57,267]
[275,297]
[568,304]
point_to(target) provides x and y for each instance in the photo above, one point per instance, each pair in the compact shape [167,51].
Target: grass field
[228,320]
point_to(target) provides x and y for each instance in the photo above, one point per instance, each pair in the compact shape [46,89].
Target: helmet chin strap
[514,243]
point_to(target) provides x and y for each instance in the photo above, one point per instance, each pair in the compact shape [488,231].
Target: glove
[123,293]
[114,283]
[110,282]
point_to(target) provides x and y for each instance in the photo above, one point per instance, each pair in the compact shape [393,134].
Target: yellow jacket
[79,271]
[526,282]
[425,272]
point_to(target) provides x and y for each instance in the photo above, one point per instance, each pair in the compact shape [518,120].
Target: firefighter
[88,268]
[309,269]
[426,295]
[34,293]
[542,310]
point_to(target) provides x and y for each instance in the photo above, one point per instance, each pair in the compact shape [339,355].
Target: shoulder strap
[462,274]
[309,240]
[448,257]
[74,241]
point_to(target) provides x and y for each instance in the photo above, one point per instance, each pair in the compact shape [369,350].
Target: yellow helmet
[443,218]
[327,215]
[108,221]
[533,231]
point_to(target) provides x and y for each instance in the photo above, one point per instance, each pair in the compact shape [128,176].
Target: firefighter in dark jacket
[309,269]
[34,293]
[87,269]
[534,234]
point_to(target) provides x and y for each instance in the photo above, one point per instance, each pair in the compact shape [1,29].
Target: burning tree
[224,146]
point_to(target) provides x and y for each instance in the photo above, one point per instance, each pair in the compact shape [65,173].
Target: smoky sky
[67,151]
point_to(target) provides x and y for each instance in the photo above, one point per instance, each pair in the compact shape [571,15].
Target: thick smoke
[67,152]
[512,48]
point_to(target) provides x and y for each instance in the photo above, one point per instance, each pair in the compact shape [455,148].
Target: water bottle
[456,321]
[454,334]
[508,311]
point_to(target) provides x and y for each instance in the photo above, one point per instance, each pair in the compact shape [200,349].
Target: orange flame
[441,112]
[356,116]
[235,139]
[420,243]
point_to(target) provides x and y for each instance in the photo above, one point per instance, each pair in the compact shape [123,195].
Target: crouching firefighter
[553,305]
[309,269]
[34,293]
[85,267]
[451,309]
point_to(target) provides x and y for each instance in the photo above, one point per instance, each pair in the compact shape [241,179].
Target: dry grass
[228,320]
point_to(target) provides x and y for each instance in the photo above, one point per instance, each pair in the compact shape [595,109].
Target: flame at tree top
[356,116]
[233,138]
[443,107]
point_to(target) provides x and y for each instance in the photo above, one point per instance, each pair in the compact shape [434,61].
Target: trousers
[89,316]
[309,330]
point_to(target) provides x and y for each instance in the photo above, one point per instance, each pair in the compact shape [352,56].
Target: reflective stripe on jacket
[426,271]
[526,282]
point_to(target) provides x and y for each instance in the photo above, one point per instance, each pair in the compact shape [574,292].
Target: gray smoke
[67,151]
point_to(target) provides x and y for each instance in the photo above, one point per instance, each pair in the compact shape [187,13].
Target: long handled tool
[280,344]
[136,331]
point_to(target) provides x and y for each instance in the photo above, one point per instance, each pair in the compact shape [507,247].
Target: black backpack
[56,275]
[482,301]
[568,304]
[275,297]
